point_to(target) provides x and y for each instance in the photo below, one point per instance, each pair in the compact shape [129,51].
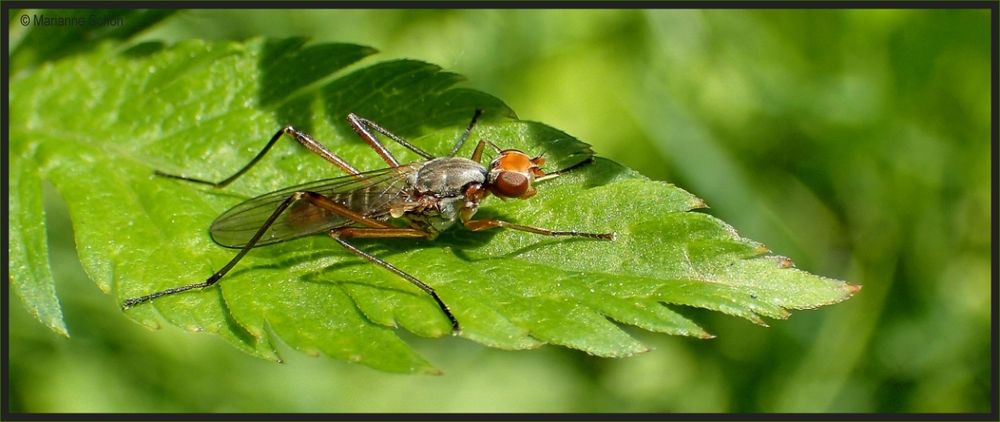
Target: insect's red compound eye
[511,184]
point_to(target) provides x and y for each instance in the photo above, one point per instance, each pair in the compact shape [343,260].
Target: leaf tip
[756,319]
[698,203]
[852,289]
[55,323]
[60,329]
[698,333]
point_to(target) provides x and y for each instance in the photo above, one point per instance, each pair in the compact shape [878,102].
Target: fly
[428,196]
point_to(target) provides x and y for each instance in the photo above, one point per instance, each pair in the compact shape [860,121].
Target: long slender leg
[343,211]
[379,233]
[477,154]
[465,135]
[364,126]
[360,125]
[304,139]
[128,303]
[486,224]
[349,232]
[314,198]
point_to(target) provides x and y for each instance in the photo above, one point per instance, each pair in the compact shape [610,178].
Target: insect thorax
[447,176]
[438,191]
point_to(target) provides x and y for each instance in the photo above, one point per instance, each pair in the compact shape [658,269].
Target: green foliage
[33,281]
[97,124]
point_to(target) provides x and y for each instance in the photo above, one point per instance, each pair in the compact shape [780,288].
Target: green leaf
[28,249]
[97,125]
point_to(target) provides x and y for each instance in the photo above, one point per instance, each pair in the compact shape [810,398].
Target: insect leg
[304,139]
[465,135]
[480,225]
[363,128]
[128,303]
[314,198]
[350,232]
[477,154]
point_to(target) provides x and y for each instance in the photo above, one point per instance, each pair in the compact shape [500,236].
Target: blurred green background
[855,142]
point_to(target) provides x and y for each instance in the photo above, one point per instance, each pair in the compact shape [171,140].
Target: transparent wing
[369,195]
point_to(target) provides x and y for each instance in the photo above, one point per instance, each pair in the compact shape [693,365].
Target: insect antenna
[557,173]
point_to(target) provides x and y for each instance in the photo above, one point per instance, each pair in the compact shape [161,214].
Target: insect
[426,197]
